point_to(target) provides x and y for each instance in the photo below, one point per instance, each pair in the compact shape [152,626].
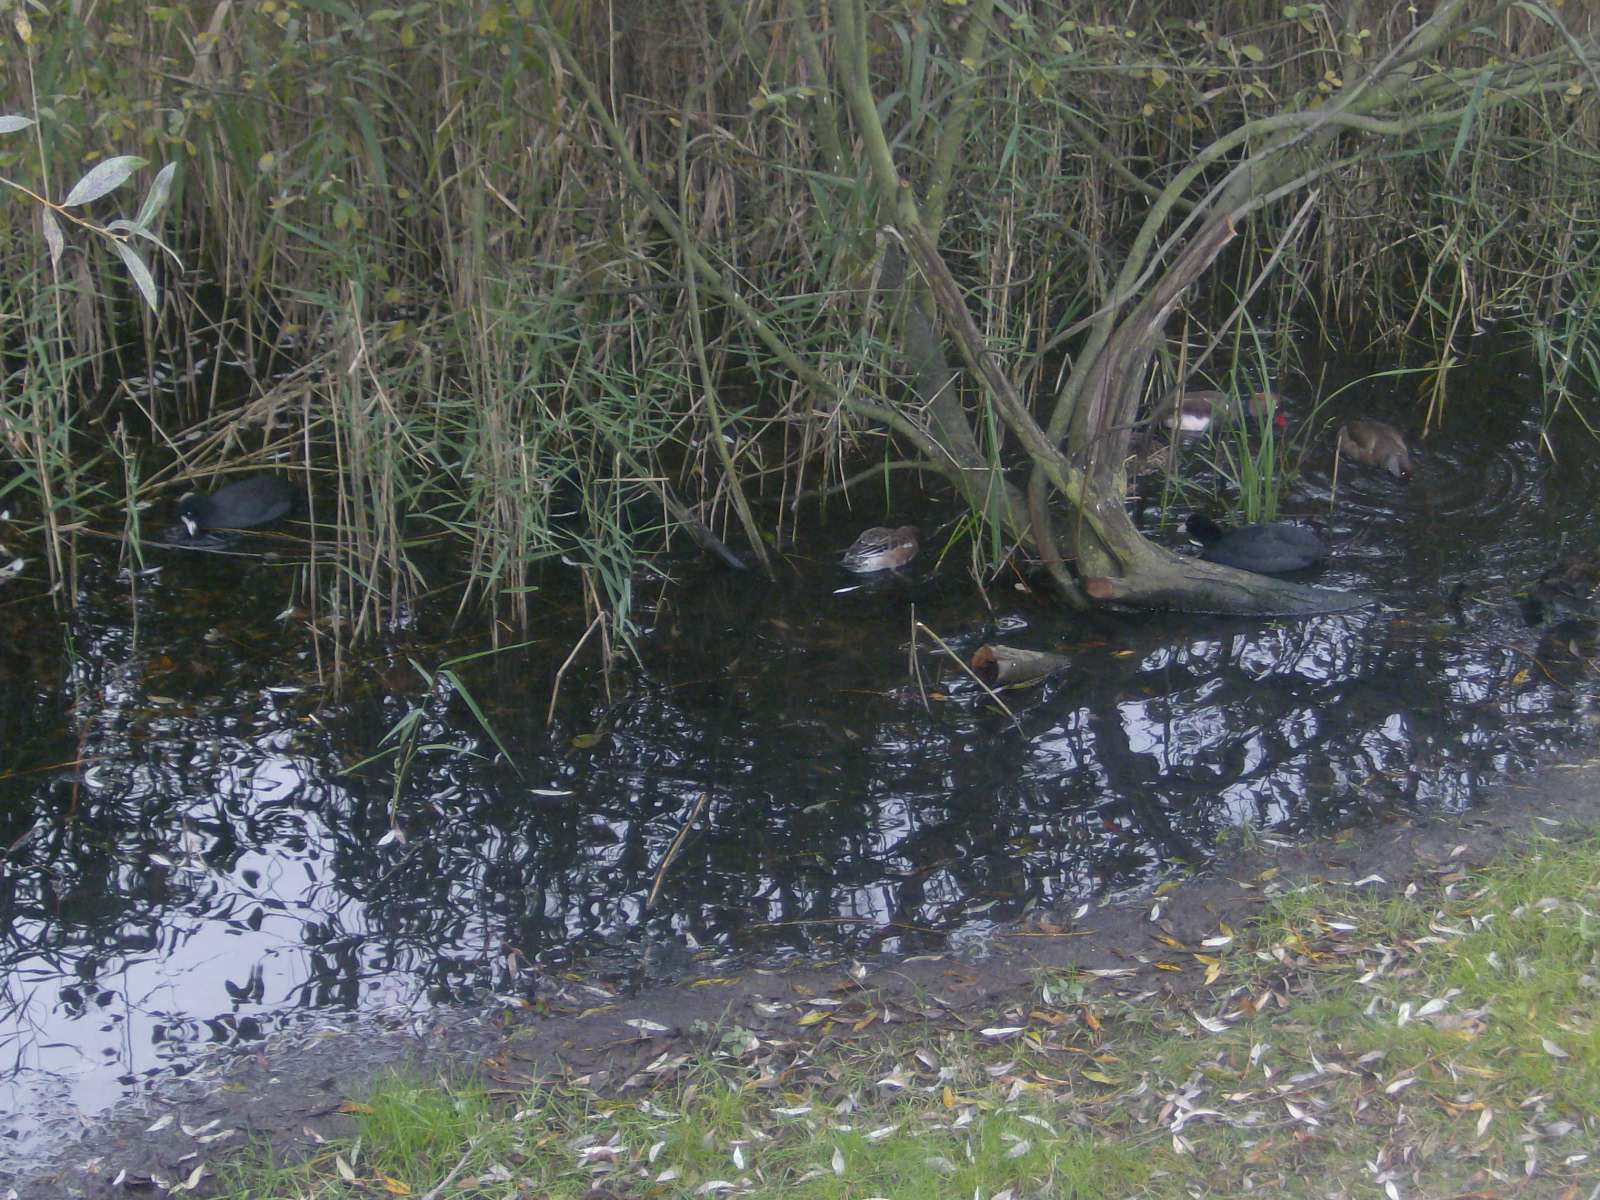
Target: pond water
[191,864]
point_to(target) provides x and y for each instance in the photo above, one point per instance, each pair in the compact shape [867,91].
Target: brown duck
[881,549]
[1376,445]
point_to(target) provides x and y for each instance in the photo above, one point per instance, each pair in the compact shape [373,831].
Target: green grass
[1439,1043]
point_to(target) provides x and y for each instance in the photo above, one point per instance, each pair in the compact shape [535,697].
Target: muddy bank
[286,1093]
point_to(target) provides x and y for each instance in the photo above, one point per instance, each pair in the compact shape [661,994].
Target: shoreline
[286,1095]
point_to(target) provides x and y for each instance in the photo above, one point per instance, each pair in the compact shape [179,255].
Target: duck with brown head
[882,549]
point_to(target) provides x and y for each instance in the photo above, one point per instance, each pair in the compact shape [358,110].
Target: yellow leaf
[811,1018]
[1167,966]
[393,1186]
[948,1098]
[1212,971]
[1098,1077]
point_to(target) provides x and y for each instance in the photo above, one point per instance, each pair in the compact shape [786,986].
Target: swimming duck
[1269,548]
[247,504]
[1200,409]
[881,549]
[1377,445]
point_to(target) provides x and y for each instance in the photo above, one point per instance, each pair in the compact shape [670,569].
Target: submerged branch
[1173,583]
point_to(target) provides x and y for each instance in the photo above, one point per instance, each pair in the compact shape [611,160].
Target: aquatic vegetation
[517,317]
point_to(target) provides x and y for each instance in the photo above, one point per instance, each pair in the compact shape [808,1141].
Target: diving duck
[1377,445]
[247,504]
[1270,548]
[1201,409]
[881,549]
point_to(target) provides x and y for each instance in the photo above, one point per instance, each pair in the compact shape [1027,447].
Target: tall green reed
[473,334]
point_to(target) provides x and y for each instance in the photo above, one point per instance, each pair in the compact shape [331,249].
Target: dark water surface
[192,867]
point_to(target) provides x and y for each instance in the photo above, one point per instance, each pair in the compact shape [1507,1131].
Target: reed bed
[450,265]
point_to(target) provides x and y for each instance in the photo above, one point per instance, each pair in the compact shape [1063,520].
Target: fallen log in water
[999,666]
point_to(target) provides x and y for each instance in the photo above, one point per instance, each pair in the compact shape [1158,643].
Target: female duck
[1272,548]
[1377,445]
[881,549]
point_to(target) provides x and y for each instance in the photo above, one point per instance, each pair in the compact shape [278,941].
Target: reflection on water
[191,866]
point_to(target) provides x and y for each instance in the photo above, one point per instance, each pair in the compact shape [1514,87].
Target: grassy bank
[1352,1041]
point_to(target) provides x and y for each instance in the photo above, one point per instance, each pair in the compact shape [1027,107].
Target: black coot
[259,500]
[1272,548]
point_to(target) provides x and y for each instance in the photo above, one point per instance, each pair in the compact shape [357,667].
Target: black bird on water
[247,504]
[1271,548]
